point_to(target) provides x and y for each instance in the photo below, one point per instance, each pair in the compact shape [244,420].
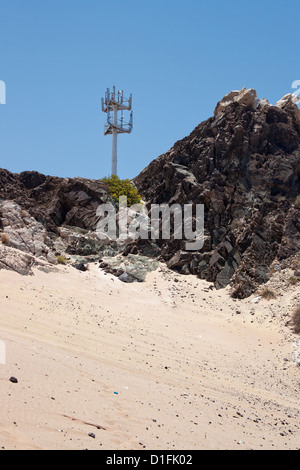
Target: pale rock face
[15,260]
[23,232]
[289,102]
[243,97]
[51,258]
[264,104]
[286,100]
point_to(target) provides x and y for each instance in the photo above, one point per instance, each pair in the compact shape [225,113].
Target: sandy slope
[189,372]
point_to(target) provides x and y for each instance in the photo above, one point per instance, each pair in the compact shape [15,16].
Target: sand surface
[165,364]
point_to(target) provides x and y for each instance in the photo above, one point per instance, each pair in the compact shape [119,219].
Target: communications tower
[111,105]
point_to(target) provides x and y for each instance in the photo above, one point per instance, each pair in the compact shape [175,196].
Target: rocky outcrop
[130,268]
[45,220]
[23,232]
[15,260]
[55,201]
[46,216]
[243,165]
[244,97]
[289,103]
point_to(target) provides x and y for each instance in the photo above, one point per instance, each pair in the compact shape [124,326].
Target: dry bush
[295,265]
[296,320]
[4,238]
[267,293]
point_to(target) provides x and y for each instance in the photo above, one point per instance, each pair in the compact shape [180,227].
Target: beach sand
[170,364]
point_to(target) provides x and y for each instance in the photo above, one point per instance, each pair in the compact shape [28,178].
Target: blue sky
[177,58]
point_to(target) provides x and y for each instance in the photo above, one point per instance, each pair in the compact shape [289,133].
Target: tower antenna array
[111,105]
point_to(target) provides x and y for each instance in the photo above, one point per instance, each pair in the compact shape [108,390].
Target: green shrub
[118,187]
[61,259]
[293,280]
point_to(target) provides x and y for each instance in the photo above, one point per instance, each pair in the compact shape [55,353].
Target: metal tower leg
[114,144]
[113,103]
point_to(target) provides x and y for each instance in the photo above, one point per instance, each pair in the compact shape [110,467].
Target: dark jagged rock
[80,266]
[55,201]
[45,219]
[45,216]
[243,164]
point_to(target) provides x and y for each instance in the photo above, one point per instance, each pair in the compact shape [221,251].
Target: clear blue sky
[177,58]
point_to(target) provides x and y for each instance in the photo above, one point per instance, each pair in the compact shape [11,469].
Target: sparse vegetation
[295,265]
[293,280]
[296,320]
[267,294]
[118,188]
[61,259]
[4,238]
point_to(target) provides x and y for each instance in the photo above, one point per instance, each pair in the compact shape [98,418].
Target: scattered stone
[80,266]
[296,353]
[14,380]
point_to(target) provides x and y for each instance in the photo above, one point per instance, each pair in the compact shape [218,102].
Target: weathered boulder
[23,232]
[15,260]
[289,103]
[130,268]
[243,97]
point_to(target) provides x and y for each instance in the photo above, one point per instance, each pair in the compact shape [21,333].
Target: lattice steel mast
[111,104]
